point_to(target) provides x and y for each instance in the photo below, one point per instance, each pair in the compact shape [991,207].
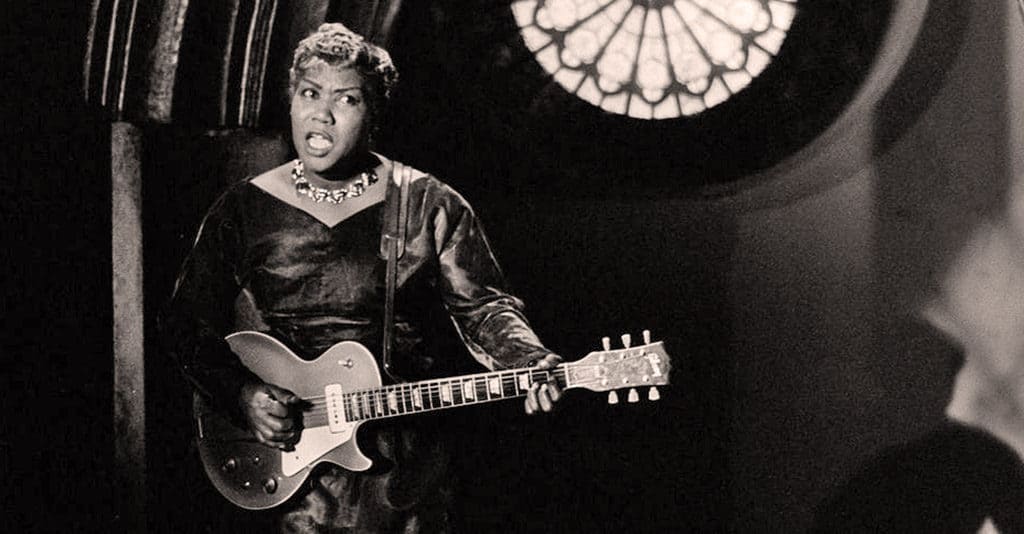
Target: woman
[301,243]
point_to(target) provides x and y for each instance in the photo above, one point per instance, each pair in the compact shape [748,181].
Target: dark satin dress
[312,286]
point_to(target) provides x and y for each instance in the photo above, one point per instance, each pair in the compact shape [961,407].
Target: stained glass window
[654,59]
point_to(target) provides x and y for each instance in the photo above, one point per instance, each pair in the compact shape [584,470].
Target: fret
[347,404]
[424,388]
[378,405]
[392,402]
[494,387]
[480,388]
[523,380]
[364,405]
[406,395]
[446,392]
[367,403]
[508,386]
[469,389]
[425,396]
[417,399]
[457,397]
[435,396]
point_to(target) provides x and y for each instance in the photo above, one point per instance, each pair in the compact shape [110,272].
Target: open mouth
[319,142]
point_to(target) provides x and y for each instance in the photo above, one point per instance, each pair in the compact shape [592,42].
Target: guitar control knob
[613,398]
[652,394]
[270,485]
[633,396]
[229,465]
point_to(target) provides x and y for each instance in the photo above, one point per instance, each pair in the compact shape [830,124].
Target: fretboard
[439,394]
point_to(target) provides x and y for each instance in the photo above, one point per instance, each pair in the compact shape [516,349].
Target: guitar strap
[392,245]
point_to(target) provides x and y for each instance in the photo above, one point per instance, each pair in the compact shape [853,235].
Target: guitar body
[255,476]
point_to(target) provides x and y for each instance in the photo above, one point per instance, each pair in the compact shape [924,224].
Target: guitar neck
[444,393]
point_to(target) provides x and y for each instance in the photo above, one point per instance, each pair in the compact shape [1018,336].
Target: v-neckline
[272,184]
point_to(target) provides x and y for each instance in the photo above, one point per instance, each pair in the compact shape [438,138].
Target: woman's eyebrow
[311,82]
[338,90]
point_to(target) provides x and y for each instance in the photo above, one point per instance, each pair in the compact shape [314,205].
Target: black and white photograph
[495,266]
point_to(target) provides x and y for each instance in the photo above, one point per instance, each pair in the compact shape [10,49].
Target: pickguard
[315,442]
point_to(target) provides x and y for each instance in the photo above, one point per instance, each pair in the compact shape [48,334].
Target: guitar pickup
[335,408]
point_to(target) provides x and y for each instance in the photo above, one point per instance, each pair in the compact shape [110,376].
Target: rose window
[654,59]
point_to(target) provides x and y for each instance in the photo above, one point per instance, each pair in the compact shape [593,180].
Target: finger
[272,435]
[282,424]
[260,437]
[544,398]
[276,424]
[259,398]
[267,434]
[276,408]
[273,428]
[554,392]
[549,361]
[284,396]
[531,399]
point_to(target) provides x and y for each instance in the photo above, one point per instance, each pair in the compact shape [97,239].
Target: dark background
[780,315]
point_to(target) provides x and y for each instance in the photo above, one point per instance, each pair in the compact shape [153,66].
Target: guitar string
[431,395]
[395,400]
[431,390]
[437,388]
[503,376]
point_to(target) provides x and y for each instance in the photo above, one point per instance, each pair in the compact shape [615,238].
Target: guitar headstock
[628,367]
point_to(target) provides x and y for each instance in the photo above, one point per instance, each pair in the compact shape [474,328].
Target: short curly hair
[340,47]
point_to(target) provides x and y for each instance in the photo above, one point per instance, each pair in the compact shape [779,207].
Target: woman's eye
[308,93]
[351,100]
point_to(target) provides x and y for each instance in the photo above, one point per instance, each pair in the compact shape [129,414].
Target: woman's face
[330,116]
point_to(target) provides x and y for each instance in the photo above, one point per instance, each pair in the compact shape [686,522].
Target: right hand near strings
[272,413]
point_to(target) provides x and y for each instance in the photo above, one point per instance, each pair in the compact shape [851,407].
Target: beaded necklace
[334,196]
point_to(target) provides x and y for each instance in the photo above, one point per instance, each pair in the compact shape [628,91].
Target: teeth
[318,142]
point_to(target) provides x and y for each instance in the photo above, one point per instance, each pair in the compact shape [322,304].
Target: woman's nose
[323,114]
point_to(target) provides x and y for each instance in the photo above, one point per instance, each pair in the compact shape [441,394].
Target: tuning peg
[613,398]
[633,397]
[652,394]
[606,343]
[627,340]
[647,337]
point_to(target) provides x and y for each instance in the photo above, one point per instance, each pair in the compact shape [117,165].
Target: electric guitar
[342,389]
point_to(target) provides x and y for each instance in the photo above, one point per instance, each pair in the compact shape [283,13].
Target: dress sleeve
[489,319]
[200,313]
